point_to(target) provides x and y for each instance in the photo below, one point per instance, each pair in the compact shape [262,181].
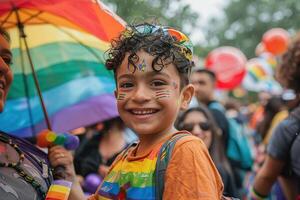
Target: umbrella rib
[25,86]
[73,37]
[31,16]
[6,18]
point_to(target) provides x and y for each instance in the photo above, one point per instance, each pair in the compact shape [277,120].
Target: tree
[174,13]
[245,21]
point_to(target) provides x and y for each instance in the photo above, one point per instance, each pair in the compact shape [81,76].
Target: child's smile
[149,100]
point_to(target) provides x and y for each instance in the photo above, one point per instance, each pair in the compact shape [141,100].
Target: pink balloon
[228,63]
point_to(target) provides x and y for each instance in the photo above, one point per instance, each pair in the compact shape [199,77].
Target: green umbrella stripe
[56,75]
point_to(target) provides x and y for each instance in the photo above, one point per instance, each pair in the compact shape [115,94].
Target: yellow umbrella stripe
[38,35]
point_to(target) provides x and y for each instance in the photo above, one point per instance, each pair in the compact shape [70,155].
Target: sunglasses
[190,126]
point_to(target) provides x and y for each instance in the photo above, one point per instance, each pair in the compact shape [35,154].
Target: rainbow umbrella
[60,80]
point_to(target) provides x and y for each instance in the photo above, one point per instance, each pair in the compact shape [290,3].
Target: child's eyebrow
[124,76]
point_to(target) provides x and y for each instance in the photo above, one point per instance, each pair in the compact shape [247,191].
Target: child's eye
[126,85]
[157,83]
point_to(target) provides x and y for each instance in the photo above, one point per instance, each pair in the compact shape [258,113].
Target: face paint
[175,85]
[162,94]
[142,66]
[121,96]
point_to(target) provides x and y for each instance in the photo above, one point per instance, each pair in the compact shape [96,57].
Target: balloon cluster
[260,70]
[48,138]
[232,68]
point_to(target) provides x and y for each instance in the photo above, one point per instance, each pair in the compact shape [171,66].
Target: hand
[103,170]
[59,156]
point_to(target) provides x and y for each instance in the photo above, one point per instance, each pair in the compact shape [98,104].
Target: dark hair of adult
[273,106]
[114,122]
[289,69]
[210,73]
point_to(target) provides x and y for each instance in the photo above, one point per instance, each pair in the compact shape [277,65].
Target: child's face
[149,101]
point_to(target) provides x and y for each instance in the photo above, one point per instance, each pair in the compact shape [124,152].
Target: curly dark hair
[165,48]
[289,70]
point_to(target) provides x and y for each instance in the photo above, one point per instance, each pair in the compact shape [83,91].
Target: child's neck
[148,141]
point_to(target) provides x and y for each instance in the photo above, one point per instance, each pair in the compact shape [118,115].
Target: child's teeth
[143,112]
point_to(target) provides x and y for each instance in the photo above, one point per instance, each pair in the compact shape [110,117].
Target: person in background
[282,160]
[273,106]
[204,82]
[199,121]
[98,153]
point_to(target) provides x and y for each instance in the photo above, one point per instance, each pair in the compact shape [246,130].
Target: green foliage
[245,21]
[174,13]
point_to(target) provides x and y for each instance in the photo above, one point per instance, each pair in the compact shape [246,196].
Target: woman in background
[199,121]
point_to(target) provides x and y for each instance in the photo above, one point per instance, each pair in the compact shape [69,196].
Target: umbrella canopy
[84,15]
[66,41]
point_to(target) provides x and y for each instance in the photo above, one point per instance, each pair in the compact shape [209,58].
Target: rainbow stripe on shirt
[131,180]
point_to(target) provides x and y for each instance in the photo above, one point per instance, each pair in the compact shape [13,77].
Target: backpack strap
[163,159]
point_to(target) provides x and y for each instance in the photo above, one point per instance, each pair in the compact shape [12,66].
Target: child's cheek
[121,96]
[162,94]
[175,85]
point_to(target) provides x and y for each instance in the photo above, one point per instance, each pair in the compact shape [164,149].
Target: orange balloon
[276,41]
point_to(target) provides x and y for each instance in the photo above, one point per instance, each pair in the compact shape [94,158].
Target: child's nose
[141,94]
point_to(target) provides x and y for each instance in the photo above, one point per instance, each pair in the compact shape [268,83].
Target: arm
[278,152]
[60,156]
[191,173]
[267,175]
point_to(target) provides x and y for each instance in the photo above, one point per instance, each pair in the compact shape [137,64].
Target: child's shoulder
[188,140]
[184,142]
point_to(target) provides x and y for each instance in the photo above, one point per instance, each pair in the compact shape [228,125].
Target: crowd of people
[213,149]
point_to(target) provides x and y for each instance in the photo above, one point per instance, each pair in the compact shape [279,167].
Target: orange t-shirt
[191,174]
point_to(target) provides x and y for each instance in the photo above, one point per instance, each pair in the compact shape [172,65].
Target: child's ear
[187,94]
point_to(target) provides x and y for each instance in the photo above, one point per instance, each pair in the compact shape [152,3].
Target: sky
[206,9]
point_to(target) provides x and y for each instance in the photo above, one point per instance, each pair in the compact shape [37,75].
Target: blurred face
[6,75]
[204,86]
[196,123]
[149,101]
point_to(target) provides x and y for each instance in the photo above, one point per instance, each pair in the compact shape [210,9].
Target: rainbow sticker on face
[142,66]
[175,85]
